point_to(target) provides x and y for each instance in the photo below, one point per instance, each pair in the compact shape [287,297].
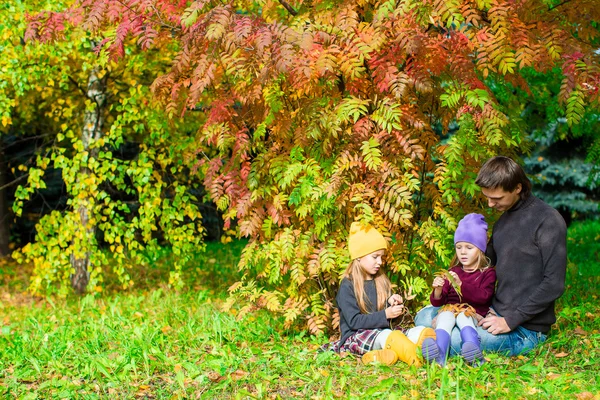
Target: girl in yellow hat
[366,305]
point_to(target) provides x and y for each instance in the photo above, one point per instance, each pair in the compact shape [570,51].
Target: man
[529,249]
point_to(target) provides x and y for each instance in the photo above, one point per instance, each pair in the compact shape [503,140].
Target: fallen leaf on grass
[165,329]
[561,355]
[585,396]
[579,331]
[552,375]
[214,376]
[238,374]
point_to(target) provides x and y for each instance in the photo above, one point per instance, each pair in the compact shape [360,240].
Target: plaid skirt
[359,343]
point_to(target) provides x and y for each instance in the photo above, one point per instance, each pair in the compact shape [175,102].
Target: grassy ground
[157,343]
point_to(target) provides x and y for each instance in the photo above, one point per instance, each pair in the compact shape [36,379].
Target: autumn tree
[89,109]
[321,113]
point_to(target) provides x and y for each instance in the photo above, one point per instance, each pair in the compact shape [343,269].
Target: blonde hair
[357,276]
[483,262]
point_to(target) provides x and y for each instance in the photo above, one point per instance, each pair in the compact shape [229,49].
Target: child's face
[468,255]
[372,262]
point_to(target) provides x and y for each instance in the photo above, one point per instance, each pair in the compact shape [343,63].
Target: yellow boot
[403,347]
[384,356]
[425,333]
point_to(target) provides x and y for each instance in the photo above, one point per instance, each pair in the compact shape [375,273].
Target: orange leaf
[584,396]
[561,355]
[165,329]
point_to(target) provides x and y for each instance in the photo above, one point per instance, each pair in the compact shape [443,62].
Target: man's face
[500,199]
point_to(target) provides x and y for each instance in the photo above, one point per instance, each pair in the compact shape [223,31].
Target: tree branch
[559,5]
[74,82]
[287,6]
[9,184]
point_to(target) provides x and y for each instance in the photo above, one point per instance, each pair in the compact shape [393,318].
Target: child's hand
[456,278]
[395,300]
[438,282]
[394,311]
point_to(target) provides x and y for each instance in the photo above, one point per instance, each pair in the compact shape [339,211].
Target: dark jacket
[529,249]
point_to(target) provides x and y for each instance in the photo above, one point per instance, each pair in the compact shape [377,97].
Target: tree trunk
[4,213]
[92,130]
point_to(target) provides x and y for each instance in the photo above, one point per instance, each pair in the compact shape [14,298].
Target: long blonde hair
[483,262]
[357,276]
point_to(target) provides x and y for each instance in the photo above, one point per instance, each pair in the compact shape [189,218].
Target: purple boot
[471,351]
[437,349]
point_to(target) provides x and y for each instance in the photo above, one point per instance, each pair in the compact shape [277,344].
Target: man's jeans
[516,342]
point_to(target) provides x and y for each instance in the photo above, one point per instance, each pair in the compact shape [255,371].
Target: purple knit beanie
[472,229]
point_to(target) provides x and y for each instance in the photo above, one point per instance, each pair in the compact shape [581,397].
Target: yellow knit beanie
[364,239]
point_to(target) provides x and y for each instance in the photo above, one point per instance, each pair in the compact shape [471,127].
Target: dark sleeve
[551,239]
[348,306]
[442,300]
[481,291]
[490,252]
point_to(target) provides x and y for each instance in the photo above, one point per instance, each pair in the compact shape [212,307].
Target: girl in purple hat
[476,280]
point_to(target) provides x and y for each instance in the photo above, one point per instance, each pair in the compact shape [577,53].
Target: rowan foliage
[321,113]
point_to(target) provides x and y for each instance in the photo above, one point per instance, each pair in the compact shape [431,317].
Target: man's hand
[494,324]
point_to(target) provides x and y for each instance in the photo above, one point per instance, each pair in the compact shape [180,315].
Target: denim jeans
[518,341]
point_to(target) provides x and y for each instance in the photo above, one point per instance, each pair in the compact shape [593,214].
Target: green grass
[153,342]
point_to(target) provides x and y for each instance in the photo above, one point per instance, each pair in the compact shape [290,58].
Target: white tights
[412,334]
[446,321]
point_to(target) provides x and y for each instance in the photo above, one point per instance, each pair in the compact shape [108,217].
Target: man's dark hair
[503,172]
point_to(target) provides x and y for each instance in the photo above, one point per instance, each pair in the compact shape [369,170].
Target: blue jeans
[518,341]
